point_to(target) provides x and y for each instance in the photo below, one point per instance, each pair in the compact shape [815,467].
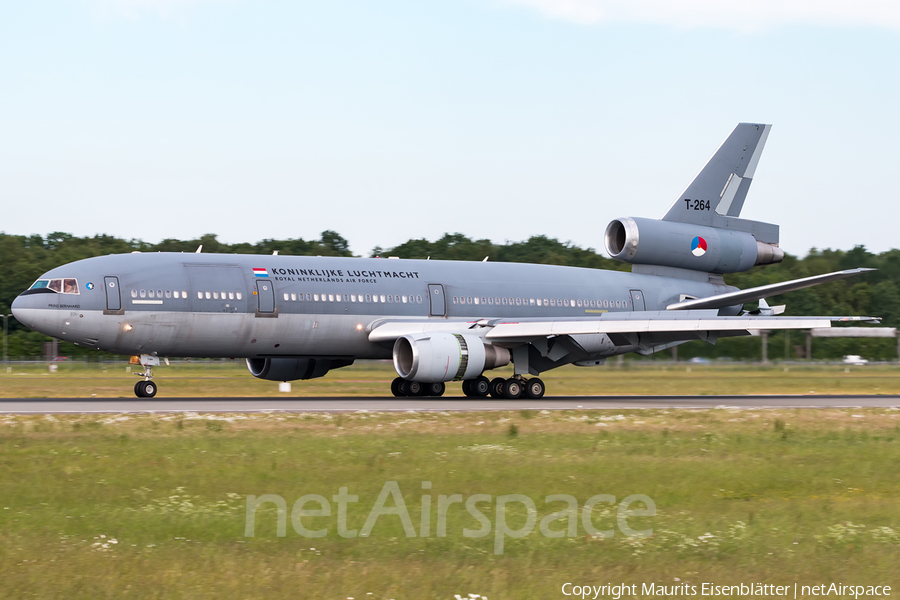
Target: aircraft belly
[230,335]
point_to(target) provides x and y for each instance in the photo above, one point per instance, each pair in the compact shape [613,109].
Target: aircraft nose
[18,307]
[25,308]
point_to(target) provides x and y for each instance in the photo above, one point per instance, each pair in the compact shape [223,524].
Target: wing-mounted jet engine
[433,358]
[291,368]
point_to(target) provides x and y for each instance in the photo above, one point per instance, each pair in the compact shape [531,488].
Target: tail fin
[716,195]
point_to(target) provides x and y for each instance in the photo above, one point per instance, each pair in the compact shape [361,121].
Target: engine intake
[687,246]
[430,358]
[290,369]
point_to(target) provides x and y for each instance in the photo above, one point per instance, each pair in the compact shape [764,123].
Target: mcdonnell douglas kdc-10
[297,317]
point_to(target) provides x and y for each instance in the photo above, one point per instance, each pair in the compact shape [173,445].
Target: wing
[764,291]
[542,345]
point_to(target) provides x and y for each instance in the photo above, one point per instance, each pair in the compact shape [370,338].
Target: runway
[380,404]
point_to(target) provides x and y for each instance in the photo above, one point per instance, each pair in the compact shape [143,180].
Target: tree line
[24,258]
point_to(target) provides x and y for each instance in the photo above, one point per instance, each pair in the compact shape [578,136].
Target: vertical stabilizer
[716,195]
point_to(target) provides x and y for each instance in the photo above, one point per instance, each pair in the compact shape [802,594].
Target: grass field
[155,505]
[372,378]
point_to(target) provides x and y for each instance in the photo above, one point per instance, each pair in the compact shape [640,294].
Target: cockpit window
[64,286]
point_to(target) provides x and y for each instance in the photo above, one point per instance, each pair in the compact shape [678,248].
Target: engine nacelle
[290,369]
[687,246]
[434,357]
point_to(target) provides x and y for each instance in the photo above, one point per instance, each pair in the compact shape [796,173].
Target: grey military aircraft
[297,317]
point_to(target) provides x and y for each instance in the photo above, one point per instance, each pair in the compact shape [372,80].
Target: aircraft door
[113,298]
[436,299]
[266,294]
[637,300]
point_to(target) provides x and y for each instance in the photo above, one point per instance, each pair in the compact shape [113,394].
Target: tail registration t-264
[696,204]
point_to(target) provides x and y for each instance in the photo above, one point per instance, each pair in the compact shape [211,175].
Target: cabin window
[403,299]
[476,299]
[368,297]
[390,298]
[316,297]
[207,294]
[133,293]
[237,295]
[286,296]
[168,293]
[419,299]
[215,295]
[200,295]
[143,293]
[308,297]
[159,294]
[531,301]
[175,294]
[346,297]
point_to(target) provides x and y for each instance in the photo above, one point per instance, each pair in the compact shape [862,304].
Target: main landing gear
[480,387]
[517,387]
[401,387]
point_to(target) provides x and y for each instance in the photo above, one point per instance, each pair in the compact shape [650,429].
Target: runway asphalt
[381,404]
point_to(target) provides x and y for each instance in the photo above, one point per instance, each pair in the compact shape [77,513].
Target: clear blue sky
[389,120]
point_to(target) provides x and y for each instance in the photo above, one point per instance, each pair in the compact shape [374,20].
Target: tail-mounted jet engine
[687,246]
[438,357]
[290,369]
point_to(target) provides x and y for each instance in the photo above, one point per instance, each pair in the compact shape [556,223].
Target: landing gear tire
[395,387]
[435,389]
[534,389]
[414,388]
[145,389]
[513,389]
[477,388]
[497,387]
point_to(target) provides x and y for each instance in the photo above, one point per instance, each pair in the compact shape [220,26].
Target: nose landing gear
[146,388]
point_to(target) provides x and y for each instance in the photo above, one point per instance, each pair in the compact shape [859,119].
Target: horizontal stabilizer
[764,291]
